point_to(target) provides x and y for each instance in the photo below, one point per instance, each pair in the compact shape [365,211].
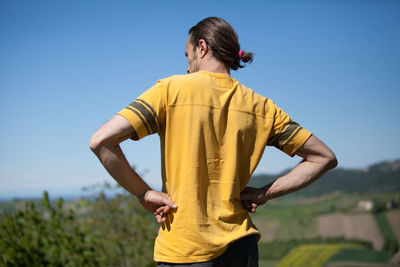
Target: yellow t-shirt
[213,131]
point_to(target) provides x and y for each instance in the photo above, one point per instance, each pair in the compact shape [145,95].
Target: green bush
[32,237]
[113,231]
[123,230]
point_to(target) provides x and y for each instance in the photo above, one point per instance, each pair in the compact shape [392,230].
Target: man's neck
[213,65]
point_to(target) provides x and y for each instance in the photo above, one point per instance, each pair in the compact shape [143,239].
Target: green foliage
[50,237]
[124,231]
[381,177]
[113,231]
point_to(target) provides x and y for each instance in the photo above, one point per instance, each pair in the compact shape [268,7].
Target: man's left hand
[252,198]
[159,204]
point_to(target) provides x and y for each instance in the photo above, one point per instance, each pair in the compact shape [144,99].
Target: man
[213,131]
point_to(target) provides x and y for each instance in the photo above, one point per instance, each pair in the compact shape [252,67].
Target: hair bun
[246,56]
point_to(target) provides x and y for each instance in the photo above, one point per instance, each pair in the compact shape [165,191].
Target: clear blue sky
[66,67]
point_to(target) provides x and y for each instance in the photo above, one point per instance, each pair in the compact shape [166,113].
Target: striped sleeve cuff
[295,141]
[142,117]
[290,138]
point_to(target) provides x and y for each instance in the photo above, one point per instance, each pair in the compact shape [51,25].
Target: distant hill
[378,178]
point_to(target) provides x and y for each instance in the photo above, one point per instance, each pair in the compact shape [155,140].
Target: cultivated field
[357,226]
[394,220]
[297,228]
[312,255]
[268,228]
[355,264]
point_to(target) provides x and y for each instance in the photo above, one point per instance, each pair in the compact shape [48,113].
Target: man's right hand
[159,204]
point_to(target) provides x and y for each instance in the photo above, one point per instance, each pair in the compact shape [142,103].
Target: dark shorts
[241,253]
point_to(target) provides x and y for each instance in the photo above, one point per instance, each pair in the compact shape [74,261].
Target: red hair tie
[240,54]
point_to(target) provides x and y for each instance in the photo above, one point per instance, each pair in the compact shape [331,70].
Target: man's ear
[202,47]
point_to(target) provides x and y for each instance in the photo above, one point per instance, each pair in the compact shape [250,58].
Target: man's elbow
[94,144]
[97,142]
[331,161]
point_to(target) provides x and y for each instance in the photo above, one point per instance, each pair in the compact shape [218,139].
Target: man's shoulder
[251,95]
[180,81]
[178,78]
[255,102]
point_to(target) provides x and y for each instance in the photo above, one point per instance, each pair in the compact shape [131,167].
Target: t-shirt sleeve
[286,134]
[146,114]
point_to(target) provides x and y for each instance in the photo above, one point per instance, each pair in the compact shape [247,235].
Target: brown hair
[222,40]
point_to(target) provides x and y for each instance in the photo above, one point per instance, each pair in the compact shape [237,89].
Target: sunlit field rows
[313,255]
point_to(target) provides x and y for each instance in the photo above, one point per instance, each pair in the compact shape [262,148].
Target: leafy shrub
[123,230]
[113,231]
[51,237]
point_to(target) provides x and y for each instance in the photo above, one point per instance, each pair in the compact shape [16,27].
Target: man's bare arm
[105,144]
[318,159]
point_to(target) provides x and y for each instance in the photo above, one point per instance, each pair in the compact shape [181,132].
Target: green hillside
[381,177]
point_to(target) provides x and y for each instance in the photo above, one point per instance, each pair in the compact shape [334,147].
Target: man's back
[213,132]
